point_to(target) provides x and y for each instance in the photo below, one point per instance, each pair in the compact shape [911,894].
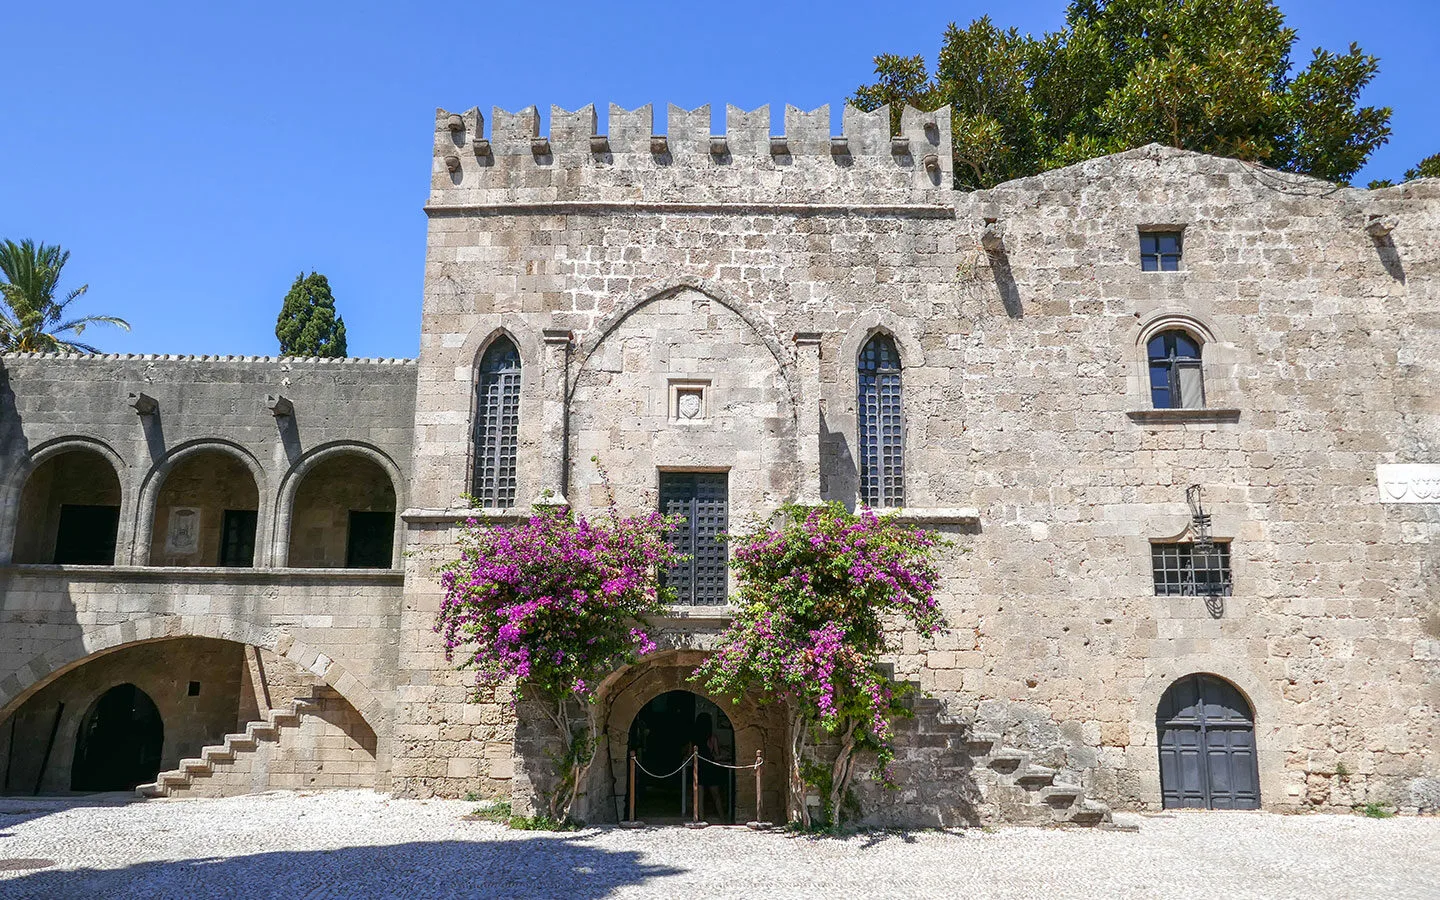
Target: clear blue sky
[195,156]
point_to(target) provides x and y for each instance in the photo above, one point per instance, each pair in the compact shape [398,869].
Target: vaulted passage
[1207,746]
[344,516]
[69,511]
[662,737]
[120,742]
[205,513]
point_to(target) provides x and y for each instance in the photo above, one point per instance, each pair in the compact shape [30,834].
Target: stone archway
[756,727]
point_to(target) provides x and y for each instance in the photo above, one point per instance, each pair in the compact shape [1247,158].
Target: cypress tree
[308,324]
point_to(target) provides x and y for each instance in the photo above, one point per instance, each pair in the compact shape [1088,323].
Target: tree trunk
[840,770]
[799,727]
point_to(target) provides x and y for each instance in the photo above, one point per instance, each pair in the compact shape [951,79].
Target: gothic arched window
[497,425]
[1176,381]
[878,412]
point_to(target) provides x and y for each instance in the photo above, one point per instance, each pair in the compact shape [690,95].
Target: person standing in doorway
[712,777]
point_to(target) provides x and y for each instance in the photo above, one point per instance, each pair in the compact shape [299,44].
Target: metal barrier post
[695,784]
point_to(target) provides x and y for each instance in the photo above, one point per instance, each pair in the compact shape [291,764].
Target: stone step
[197,764]
[1035,776]
[1088,814]
[982,739]
[154,789]
[1061,796]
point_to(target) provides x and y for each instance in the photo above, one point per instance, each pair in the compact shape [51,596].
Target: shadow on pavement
[15,809]
[525,867]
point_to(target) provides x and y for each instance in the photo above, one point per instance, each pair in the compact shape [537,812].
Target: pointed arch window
[497,425]
[882,437]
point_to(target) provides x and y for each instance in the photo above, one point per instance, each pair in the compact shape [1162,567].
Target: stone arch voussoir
[48,666]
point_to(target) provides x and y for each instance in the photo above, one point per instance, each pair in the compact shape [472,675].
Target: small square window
[1160,251]
[1182,570]
[194,690]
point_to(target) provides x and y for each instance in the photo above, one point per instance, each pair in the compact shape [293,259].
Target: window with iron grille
[1160,251]
[703,499]
[1186,571]
[881,424]
[1176,380]
[497,425]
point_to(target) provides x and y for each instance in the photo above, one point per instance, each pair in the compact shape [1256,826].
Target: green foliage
[1429,167]
[502,813]
[33,321]
[308,324]
[1342,770]
[1374,810]
[1212,76]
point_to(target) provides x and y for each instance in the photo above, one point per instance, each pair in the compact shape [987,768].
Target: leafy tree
[556,603]
[1207,75]
[33,320]
[817,592]
[308,324]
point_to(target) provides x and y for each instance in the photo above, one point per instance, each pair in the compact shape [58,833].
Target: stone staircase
[224,754]
[969,767]
[1021,784]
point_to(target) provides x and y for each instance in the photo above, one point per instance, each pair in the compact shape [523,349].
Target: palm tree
[33,320]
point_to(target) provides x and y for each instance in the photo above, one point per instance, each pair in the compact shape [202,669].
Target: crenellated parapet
[513,164]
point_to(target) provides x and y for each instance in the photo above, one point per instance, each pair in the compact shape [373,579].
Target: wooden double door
[1207,746]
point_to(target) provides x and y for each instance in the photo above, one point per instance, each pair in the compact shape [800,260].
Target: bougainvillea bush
[818,586]
[556,603]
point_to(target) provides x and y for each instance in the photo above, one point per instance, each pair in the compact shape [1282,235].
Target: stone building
[1176,412]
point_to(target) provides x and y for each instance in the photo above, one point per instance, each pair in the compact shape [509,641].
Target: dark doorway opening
[237,537]
[1207,746]
[120,742]
[662,736]
[370,539]
[86,534]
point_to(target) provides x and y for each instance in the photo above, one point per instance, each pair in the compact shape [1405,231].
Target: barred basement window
[703,499]
[1183,571]
[1160,251]
[881,424]
[497,425]
[1176,381]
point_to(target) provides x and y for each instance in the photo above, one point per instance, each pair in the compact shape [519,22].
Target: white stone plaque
[183,536]
[1408,482]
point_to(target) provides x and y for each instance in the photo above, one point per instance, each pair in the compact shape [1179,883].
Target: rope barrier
[686,762]
[676,772]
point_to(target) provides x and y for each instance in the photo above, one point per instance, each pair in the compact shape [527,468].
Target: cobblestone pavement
[362,844]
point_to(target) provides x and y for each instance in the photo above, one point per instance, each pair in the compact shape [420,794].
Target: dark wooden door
[1207,746]
[703,499]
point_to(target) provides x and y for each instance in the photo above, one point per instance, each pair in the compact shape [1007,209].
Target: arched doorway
[1207,746]
[661,737]
[120,742]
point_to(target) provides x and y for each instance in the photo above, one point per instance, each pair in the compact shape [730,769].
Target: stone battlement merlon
[631,163]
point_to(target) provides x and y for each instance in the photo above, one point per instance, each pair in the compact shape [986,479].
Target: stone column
[555,384]
[807,436]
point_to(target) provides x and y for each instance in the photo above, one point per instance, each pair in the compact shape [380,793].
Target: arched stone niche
[757,728]
[682,382]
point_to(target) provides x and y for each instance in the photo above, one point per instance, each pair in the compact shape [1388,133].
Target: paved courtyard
[362,844]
